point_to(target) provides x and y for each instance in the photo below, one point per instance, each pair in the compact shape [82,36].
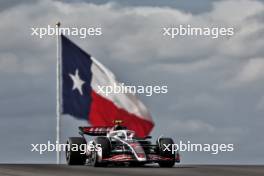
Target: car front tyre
[164,153]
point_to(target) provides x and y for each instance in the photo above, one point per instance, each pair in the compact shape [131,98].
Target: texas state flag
[82,75]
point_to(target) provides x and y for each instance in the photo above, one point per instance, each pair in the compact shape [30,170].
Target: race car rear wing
[95,131]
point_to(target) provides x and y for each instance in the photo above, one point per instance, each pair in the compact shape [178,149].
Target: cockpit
[123,134]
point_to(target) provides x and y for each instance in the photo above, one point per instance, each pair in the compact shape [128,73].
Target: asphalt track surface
[178,170]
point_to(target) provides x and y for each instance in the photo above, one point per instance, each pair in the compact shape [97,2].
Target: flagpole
[58,89]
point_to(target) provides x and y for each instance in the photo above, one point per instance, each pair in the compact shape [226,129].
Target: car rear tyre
[164,153]
[74,156]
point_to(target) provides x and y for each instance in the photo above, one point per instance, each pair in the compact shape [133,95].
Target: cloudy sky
[215,85]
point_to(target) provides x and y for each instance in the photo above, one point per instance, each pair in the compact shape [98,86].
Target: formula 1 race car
[119,146]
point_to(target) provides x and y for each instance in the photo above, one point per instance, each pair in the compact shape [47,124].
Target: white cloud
[232,12]
[191,126]
[252,71]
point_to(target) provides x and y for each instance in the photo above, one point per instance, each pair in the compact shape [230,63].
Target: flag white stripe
[101,76]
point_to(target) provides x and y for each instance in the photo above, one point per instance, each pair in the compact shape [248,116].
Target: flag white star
[77,82]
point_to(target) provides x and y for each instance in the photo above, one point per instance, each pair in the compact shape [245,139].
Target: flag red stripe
[103,112]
